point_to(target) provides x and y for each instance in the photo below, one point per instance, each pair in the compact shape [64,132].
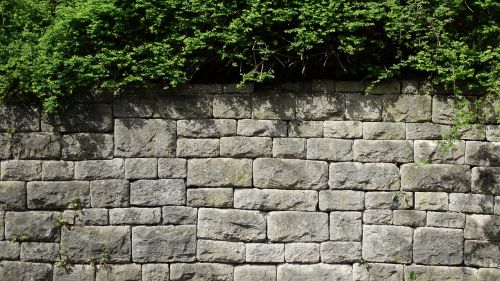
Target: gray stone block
[80,272]
[206,128]
[163,243]
[392,244]
[443,109]
[319,106]
[435,177]
[86,146]
[249,147]
[172,168]
[448,219]
[486,180]
[25,271]
[330,200]
[220,251]
[384,87]
[438,246]
[265,253]
[262,128]
[488,274]
[389,200]
[179,215]
[482,253]
[58,194]
[99,169]
[431,201]
[255,272]
[482,153]
[431,273]
[384,130]
[12,195]
[377,217]
[141,168]
[315,272]
[289,148]
[32,226]
[80,118]
[210,197]
[425,131]
[329,149]
[377,271]
[369,176]
[134,105]
[267,199]
[364,107]
[408,108]
[109,193]
[482,227]
[343,129]
[340,252]
[58,170]
[201,271]
[158,192]
[235,107]
[118,272]
[471,203]
[302,252]
[20,117]
[349,86]
[39,252]
[198,148]
[231,225]
[24,170]
[493,132]
[273,105]
[428,151]
[134,216]
[155,272]
[183,106]
[345,226]
[219,172]
[399,151]
[305,129]
[35,145]
[292,226]
[9,250]
[411,218]
[94,216]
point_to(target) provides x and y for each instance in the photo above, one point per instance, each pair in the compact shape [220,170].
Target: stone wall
[292,182]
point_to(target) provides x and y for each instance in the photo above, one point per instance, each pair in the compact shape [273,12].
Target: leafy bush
[49,49]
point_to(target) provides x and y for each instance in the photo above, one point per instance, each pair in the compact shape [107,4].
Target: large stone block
[201,271]
[400,151]
[482,253]
[183,106]
[482,153]
[295,226]
[425,131]
[389,200]
[109,193]
[411,218]
[235,107]
[363,107]
[255,272]
[315,272]
[330,200]
[305,129]
[302,252]
[486,180]
[265,253]
[443,109]
[58,170]
[267,199]
[23,170]
[141,168]
[163,243]
[377,271]
[179,215]
[119,272]
[145,138]
[36,145]
[80,118]
[100,169]
[378,217]
[431,201]
[86,146]
[58,194]
[392,244]
[343,129]
[220,251]
[441,273]
[232,225]
[349,86]
[290,174]
[111,242]
[384,130]
[32,226]
[369,176]
[493,132]
[428,151]
[210,197]
[273,106]
[25,271]
[289,148]
[438,246]
[155,272]
[9,250]
[340,252]
[206,128]
[471,203]
[435,177]
[197,148]
[80,272]
[134,105]
[262,128]
[12,195]
[249,147]
[219,172]
[39,252]
[20,117]
[134,216]
[158,192]
[408,108]
[448,219]
[345,226]
[482,227]
[172,168]
[488,274]
[329,149]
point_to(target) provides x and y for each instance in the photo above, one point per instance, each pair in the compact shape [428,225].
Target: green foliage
[19,238]
[50,49]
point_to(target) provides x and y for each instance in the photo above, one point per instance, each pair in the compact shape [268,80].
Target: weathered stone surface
[400,151]
[24,271]
[144,138]
[297,226]
[201,271]
[377,217]
[112,242]
[330,200]
[302,252]
[206,128]
[316,272]
[99,169]
[236,107]
[349,86]
[441,273]
[305,129]
[39,252]
[179,215]
[443,109]
[364,107]
[289,148]
[383,243]
[473,132]
[5,146]
[255,272]
[497,205]
[172,168]
[141,168]
[231,225]
[163,243]
[262,128]
[486,180]
[219,172]
[134,216]
[425,131]
[345,226]
[432,152]
[57,194]
[409,218]
[320,106]
[482,227]
[32,226]
[369,176]
[343,129]
[80,118]
[431,201]
[482,153]
[329,149]
[488,274]
[57,170]
[12,195]
[198,148]
[482,253]
[94,216]
[438,246]
[210,197]
[109,193]
[384,130]
[409,87]
[435,177]
[183,106]
[24,170]
[80,272]
[134,105]
[9,250]
[471,203]
[36,145]
[384,87]
[377,271]
[19,117]
[265,253]
[250,147]
[289,174]
[155,272]
[119,272]
[158,192]
[493,132]
[408,108]
[86,146]
[389,200]
[273,106]
[267,199]
[220,251]
[340,252]
[448,219]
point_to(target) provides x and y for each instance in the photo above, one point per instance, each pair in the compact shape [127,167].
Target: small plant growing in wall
[104,261]
[91,259]
[62,222]
[413,276]
[62,260]
[19,238]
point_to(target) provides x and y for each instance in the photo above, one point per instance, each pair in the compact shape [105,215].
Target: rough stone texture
[141,168]
[377,271]
[37,226]
[488,274]
[144,138]
[86,217]
[109,193]
[265,253]
[486,180]
[369,176]
[163,243]
[81,118]
[425,131]
[255,272]
[384,131]
[329,149]
[35,145]
[57,170]
[482,153]
[233,225]
[183,106]
[158,192]
[23,271]
[343,129]
[316,272]
[482,253]
[155,272]
[293,226]
[201,271]
[26,170]
[39,252]
[19,117]
[273,106]
[440,219]
[262,128]
[431,152]
[377,217]
[76,272]
[330,200]
[85,146]
[391,244]
[364,107]
[408,108]
[431,201]
[409,218]
[134,216]
[179,215]
[232,107]
[305,129]
[12,195]
[471,203]
[441,273]
[198,148]
[289,148]
[435,177]
[172,168]
[220,251]
[206,128]
[438,246]
[249,147]
[389,200]
[270,199]
[210,197]
[289,174]
[58,194]
[482,227]
[119,272]
[99,169]
[340,252]
[493,132]
[320,107]
[399,151]
[9,250]
[219,172]
[302,252]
